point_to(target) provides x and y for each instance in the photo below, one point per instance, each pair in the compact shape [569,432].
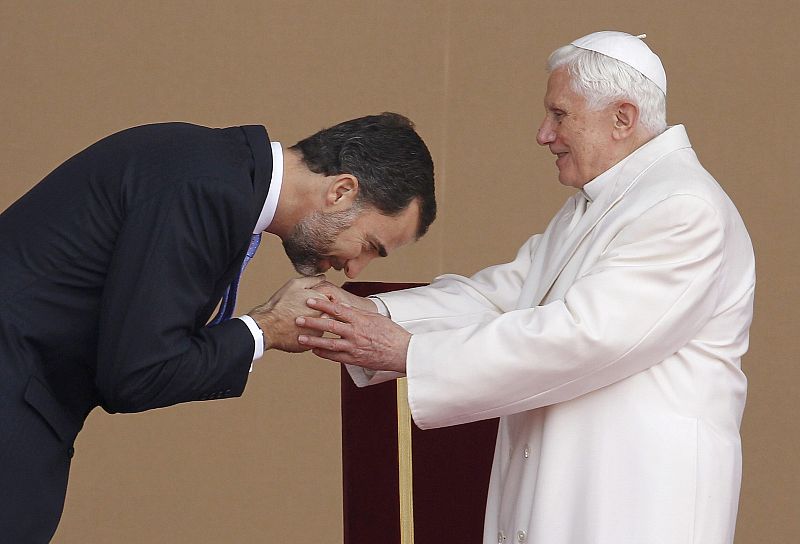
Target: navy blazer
[112,265]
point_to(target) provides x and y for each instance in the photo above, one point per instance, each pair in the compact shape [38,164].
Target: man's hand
[366,339]
[276,317]
[338,295]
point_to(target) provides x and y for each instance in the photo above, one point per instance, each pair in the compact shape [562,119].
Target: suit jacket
[611,353]
[112,265]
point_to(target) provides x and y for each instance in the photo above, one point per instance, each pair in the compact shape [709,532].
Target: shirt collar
[271,203]
[593,189]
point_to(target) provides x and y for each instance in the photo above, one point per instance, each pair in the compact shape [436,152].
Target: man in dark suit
[111,268]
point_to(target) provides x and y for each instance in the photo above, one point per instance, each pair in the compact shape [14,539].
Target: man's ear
[626,117]
[342,191]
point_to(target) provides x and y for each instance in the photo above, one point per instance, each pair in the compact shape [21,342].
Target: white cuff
[258,337]
[381,305]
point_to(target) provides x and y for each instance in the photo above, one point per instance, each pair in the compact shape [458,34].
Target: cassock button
[526,452]
[522,536]
[501,537]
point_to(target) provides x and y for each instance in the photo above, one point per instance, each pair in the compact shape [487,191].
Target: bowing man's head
[369,189]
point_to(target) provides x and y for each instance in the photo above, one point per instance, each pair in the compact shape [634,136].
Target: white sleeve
[649,293]
[380,305]
[452,301]
[258,337]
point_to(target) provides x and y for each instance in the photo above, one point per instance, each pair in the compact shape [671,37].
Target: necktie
[229,298]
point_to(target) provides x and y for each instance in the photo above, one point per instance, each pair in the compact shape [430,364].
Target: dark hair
[386,155]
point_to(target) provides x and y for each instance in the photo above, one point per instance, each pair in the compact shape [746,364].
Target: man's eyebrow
[379,246]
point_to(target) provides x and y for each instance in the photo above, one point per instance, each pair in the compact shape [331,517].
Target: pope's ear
[626,116]
[342,191]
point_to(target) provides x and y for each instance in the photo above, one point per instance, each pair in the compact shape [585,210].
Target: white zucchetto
[628,49]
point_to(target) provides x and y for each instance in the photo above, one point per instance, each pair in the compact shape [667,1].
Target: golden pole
[405,465]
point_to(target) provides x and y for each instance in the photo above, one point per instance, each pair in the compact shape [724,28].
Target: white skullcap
[628,49]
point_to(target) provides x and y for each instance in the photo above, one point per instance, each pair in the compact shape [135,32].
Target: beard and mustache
[310,241]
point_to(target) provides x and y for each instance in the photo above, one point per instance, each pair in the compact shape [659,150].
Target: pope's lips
[560,158]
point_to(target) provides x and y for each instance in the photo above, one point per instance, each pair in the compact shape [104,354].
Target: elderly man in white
[610,346]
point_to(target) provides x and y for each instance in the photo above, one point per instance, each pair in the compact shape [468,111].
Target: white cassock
[611,352]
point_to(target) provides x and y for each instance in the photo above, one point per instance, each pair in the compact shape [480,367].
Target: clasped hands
[298,315]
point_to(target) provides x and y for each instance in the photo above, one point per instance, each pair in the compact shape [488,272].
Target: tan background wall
[265,468]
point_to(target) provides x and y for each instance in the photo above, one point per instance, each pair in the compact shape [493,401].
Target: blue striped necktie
[229,298]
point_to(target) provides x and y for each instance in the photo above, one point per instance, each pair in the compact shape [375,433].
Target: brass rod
[405,465]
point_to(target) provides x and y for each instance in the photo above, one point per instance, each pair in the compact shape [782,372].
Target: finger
[339,311]
[325,325]
[330,344]
[336,356]
[327,287]
[316,294]
[310,332]
[325,306]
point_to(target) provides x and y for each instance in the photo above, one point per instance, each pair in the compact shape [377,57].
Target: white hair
[601,80]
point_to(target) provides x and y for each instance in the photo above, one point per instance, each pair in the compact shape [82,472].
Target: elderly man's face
[579,137]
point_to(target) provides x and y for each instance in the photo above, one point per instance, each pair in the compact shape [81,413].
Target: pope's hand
[365,339]
[339,295]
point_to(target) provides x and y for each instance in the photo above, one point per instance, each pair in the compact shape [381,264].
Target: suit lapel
[258,141]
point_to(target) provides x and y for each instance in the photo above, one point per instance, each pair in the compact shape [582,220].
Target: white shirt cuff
[382,308]
[258,337]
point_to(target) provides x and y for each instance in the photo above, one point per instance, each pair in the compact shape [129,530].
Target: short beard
[310,241]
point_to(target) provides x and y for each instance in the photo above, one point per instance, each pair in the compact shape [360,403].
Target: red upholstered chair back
[451,466]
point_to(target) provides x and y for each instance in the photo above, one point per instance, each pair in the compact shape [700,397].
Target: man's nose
[353,267]
[546,134]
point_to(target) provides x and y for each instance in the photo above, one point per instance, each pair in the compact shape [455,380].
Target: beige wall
[265,468]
